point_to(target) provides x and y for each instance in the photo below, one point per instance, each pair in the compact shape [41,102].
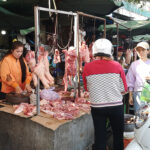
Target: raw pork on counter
[58,108]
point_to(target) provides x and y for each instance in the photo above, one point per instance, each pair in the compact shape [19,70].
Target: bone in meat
[57,56]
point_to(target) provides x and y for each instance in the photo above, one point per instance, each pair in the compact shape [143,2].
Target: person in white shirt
[137,74]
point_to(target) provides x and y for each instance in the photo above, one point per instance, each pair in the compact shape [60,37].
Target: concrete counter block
[44,133]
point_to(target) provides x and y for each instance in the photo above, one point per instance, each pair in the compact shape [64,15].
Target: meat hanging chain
[70,37]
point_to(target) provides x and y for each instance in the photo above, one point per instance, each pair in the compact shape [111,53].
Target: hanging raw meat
[46,69]
[41,69]
[84,54]
[90,51]
[57,56]
[70,66]
[30,58]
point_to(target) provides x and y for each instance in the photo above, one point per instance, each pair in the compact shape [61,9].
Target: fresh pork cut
[84,54]
[70,66]
[57,56]
[41,69]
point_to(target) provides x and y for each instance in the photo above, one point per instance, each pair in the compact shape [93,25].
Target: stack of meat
[59,109]
[70,66]
[27,109]
[41,69]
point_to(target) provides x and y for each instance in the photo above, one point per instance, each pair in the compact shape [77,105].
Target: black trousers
[116,117]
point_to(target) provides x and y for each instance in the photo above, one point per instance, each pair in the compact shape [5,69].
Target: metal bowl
[15,98]
[128,125]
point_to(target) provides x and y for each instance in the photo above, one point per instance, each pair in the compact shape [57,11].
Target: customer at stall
[137,74]
[105,80]
[14,73]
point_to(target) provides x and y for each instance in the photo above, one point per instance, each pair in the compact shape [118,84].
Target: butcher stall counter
[41,132]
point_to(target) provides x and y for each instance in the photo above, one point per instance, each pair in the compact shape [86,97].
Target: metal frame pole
[76,47]
[56,11]
[95,17]
[120,24]
[90,16]
[78,53]
[104,29]
[37,34]
[117,40]
[37,37]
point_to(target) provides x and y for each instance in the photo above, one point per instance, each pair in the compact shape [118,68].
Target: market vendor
[137,74]
[105,80]
[14,72]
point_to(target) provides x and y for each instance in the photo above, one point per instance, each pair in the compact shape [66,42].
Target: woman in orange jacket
[14,72]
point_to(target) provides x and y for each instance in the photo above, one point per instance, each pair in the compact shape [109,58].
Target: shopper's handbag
[145,95]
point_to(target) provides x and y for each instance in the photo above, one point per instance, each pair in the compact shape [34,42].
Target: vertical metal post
[104,29]
[37,34]
[75,45]
[75,32]
[117,40]
[78,60]
[130,40]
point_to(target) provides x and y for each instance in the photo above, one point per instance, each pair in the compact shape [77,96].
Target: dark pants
[116,117]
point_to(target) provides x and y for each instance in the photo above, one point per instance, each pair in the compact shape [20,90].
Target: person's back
[105,81]
[104,78]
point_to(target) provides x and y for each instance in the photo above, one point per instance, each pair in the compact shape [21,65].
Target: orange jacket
[11,75]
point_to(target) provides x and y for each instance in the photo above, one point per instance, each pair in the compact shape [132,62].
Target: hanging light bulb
[3,32]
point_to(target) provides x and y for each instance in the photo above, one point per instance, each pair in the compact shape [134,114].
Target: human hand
[147,78]
[130,100]
[28,88]
[18,89]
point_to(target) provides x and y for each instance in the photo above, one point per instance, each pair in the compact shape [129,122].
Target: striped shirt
[105,80]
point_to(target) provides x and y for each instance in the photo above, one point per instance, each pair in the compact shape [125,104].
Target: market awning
[10,20]
[140,38]
[94,7]
[136,27]
[132,8]
[20,13]
[27,31]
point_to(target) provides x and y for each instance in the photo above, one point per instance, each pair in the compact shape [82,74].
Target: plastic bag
[145,95]
[49,94]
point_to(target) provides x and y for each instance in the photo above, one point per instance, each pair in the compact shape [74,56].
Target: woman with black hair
[14,72]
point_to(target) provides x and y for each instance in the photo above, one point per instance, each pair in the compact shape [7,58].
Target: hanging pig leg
[39,71]
[34,77]
[47,72]
[65,82]
[70,80]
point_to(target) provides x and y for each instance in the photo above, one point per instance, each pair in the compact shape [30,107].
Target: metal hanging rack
[76,40]
[37,41]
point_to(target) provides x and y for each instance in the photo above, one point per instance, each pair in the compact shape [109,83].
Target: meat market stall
[55,119]
[20,132]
